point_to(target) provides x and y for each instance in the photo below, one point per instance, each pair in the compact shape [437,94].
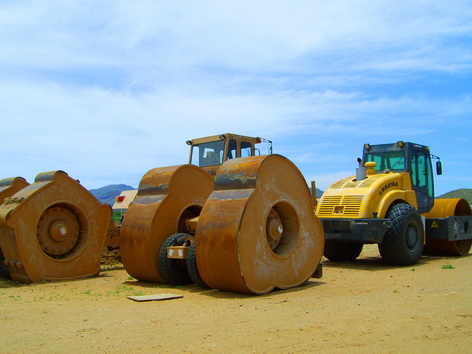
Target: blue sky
[106,90]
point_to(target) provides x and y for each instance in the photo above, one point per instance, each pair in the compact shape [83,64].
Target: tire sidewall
[342,251]
[395,248]
[192,266]
[171,272]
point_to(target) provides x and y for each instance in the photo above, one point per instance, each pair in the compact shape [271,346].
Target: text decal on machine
[387,186]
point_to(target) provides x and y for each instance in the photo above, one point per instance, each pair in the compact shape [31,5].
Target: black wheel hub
[411,238]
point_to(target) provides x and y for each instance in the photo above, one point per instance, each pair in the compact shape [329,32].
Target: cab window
[246,149]
[421,172]
[208,154]
[232,149]
[394,161]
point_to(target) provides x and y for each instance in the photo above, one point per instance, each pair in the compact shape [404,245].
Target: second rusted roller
[257,230]
[167,197]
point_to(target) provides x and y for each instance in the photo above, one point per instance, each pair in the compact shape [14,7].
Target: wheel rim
[412,238]
[274,229]
[58,232]
[282,230]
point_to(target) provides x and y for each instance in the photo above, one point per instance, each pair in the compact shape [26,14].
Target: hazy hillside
[465,193]
[108,194]
[319,192]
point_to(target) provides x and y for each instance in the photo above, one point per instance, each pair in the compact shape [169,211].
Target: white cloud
[88,86]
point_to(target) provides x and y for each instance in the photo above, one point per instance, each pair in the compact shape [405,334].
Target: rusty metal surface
[53,229]
[58,231]
[191,225]
[442,209]
[166,198]
[257,231]
[113,236]
[9,186]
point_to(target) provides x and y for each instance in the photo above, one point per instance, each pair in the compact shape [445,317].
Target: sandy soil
[363,306]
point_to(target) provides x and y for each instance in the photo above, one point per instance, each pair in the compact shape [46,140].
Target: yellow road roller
[390,202]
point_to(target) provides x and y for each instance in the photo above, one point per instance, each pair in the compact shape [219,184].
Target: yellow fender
[393,196]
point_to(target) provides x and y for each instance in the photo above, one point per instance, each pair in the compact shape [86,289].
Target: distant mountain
[319,192]
[465,193]
[108,194]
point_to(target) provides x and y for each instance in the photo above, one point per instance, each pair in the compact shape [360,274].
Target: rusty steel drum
[167,197]
[442,209]
[53,229]
[257,231]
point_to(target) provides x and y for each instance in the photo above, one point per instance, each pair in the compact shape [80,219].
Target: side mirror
[438,167]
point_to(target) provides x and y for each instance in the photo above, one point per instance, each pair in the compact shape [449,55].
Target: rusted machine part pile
[51,229]
[250,230]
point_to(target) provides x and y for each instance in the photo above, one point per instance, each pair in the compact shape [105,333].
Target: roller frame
[452,228]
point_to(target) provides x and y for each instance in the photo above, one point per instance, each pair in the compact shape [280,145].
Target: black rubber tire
[174,271]
[342,251]
[4,271]
[404,241]
[192,266]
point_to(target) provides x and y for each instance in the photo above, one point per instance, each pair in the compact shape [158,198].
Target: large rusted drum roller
[53,229]
[257,231]
[167,197]
[444,208]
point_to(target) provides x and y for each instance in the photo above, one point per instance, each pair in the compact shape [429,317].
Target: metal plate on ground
[156,297]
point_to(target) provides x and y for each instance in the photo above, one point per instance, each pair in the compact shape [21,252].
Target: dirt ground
[362,306]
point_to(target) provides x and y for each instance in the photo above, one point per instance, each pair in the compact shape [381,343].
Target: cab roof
[225,136]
